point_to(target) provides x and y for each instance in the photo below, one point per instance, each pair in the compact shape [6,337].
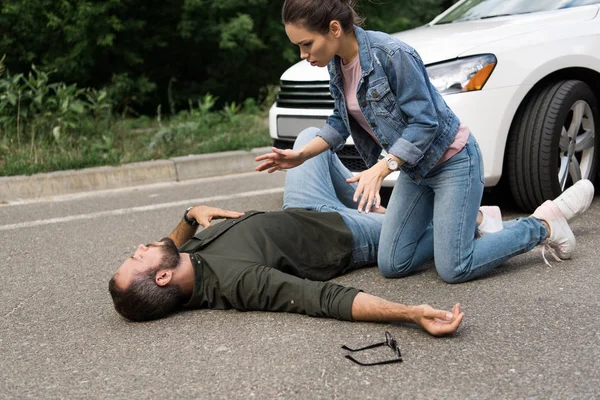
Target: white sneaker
[491,222]
[561,243]
[576,200]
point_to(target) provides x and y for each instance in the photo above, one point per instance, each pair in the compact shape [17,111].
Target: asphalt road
[530,331]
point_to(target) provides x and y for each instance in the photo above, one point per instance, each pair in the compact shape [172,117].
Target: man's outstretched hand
[205,214]
[438,322]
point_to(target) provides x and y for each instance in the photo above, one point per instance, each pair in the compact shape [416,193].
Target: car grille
[312,94]
[283,144]
[351,159]
[348,155]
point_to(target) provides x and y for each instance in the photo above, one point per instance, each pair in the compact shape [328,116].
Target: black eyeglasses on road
[389,341]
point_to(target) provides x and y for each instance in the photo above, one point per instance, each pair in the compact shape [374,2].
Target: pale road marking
[134,188]
[130,210]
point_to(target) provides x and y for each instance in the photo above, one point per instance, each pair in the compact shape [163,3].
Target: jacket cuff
[406,151]
[345,306]
[333,138]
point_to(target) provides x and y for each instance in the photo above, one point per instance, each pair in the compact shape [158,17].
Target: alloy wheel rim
[576,145]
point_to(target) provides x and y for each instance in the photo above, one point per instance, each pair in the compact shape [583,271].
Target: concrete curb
[22,187]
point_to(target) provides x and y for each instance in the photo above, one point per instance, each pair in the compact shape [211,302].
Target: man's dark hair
[144,300]
[316,15]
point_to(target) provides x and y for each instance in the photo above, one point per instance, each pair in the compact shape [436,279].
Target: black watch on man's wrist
[190,221]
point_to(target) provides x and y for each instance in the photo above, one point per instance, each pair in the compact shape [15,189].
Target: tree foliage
[149,52]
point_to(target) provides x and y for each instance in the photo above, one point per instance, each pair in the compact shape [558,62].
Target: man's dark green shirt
[273,261]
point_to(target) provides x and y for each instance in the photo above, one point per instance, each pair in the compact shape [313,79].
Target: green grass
[95,143]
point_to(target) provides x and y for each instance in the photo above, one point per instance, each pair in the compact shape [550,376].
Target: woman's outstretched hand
[279,159]
[369,183]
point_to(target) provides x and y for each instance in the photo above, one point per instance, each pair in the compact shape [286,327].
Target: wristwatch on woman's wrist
[391,163]
[190,221]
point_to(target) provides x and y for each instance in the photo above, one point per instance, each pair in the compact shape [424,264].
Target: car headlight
[462,75]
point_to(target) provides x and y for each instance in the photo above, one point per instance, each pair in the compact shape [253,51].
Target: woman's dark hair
[316,15]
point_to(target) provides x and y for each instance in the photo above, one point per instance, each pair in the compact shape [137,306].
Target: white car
[524,75]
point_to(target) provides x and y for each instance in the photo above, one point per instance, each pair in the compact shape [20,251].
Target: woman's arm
[332,135]
[286,159]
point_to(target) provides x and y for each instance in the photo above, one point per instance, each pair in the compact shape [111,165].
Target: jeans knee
[450,278]
[305,136]
[393,270]
[451,275]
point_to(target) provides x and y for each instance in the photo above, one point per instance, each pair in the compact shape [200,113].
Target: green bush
[48,126]
[33,107]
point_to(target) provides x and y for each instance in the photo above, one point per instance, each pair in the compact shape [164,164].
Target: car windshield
[483,9]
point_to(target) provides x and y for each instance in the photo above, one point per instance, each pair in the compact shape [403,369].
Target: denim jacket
[408,116]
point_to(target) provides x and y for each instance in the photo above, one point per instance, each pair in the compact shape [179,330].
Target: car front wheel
[553,143]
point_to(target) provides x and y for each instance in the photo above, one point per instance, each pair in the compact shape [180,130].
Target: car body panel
[436,43]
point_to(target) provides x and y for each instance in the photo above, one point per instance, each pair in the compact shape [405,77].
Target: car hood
[304,72]
[447,41]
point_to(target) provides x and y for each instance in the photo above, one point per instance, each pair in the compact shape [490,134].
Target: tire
[553,143]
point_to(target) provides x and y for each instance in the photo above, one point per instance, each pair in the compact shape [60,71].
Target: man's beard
[170,258]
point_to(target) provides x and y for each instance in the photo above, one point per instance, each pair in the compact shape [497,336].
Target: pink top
[351,74]
[459,142]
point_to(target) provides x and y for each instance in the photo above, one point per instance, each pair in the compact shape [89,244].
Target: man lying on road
[276,261]
[271,261]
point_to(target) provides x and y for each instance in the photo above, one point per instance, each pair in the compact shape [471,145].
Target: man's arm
[366,307]
[267,289]
[203,215]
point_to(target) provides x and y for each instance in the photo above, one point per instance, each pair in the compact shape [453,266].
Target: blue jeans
[449,196]
[320,184]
